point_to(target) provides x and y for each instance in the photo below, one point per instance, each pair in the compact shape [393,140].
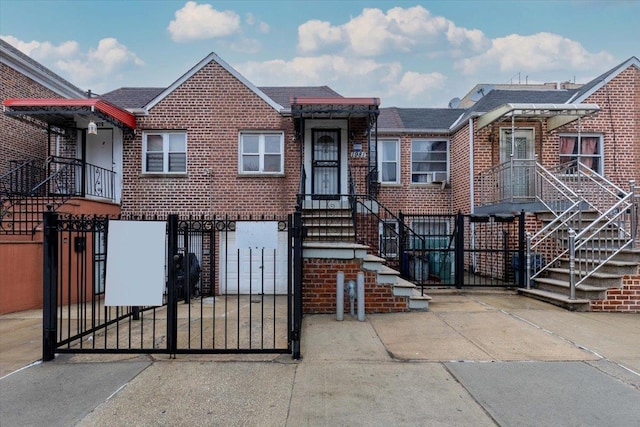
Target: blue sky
[408,53]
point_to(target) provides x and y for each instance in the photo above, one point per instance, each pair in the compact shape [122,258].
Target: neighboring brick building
[22,77]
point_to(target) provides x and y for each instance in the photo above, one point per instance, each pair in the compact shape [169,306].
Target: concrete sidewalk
[475,359]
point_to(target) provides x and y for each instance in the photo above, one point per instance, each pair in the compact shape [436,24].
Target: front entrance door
[325,164]
[517,147]
[100,154]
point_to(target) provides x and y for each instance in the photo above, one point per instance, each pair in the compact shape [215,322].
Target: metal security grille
[461,250]
[219,297]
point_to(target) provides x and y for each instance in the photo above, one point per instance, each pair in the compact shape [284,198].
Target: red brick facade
[20,140]
[212,107]
[624,299]
[319,288]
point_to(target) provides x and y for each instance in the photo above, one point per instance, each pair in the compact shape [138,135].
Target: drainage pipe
[360,297]
[340,296]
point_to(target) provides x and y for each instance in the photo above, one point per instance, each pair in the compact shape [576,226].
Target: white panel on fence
[257,234]
[135,263]
[253,270]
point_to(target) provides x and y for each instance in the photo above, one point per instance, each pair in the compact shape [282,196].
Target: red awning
[55,110]
[334,107]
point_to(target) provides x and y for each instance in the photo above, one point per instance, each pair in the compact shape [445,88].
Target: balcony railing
[32,187]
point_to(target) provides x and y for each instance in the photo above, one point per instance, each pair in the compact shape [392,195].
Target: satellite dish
[454,103]
[480,92]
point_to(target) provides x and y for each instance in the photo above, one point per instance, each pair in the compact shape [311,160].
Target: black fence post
[49,286]
[172,302]
[296,333]
[522,258]
[459,251]
[402,247]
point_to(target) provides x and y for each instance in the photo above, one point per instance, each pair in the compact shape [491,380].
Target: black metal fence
[221,295]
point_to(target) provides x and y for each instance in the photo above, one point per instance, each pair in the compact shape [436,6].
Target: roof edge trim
[206,60]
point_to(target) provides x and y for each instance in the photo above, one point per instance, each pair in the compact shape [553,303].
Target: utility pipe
[340,296]
[360,297]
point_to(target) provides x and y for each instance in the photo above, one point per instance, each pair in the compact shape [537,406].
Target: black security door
[326,164]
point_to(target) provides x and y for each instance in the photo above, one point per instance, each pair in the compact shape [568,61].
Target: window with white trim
[261,153]
[429,160]
[164,152]
[389,158]
[586,148]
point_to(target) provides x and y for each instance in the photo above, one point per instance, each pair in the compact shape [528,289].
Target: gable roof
[436,120]
[206,60]
[588,89]
[282,94]
[37,72]
[132,97]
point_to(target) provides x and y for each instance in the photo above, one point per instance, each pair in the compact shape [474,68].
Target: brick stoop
[385,290]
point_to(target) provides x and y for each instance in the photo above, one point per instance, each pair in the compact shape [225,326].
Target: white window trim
[261,153]
[165,153]
[434,177]
[380,161]
[587,135]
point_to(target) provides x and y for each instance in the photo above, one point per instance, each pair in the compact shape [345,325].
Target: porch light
[92,128]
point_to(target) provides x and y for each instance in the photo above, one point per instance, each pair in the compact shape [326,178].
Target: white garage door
[257,267]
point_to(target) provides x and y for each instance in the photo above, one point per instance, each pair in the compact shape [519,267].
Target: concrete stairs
[401,287]
[328,221]
[385,276]
[554,287]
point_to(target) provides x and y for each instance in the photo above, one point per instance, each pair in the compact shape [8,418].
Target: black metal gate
[463,250]
[219,297]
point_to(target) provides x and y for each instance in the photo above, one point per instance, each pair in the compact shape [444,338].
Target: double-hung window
[389,166]
[586,149]
[164,152]
[261,153]
[429,160]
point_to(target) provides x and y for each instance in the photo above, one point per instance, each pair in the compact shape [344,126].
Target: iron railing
[34,187]
[219,295]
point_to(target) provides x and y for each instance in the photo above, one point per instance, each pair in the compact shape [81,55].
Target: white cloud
[201,21]
[534,53]
[43,50]
[375,32]
[348,76]
[95,69]
[315,34]
[252,21]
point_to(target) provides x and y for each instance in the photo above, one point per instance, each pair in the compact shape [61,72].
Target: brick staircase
[330,233]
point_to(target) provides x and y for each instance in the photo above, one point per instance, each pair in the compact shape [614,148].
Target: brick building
[212,143]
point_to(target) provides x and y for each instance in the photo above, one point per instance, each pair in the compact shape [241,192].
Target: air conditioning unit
[439,177]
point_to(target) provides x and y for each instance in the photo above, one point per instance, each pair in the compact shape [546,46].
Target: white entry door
[253,270]
[518,147]
[100,153]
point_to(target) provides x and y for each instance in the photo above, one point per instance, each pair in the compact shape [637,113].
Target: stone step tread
[333,245]
[554,296]
[610,262]
[388,271]
[597,275]
[402,283]
[416,295]
[565,284]
[373,258]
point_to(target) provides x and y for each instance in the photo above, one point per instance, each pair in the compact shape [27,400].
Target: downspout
[471,193]
[471,168]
